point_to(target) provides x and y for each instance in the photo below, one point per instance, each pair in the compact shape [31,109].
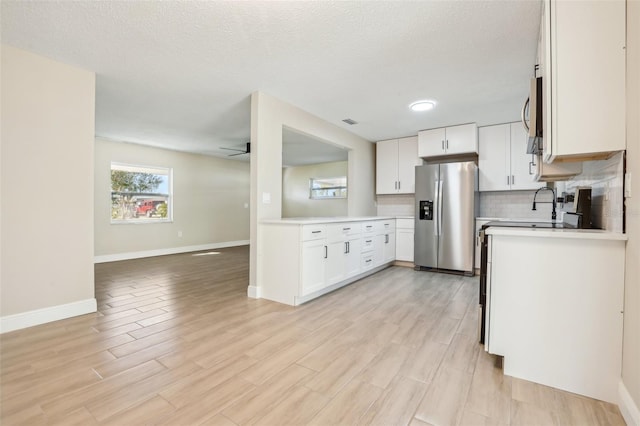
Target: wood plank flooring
[177,342]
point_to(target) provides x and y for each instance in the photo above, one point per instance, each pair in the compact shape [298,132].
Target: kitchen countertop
[318,220]
[567,233]
[507,219]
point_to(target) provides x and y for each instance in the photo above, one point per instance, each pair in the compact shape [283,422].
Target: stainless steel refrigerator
[446,203]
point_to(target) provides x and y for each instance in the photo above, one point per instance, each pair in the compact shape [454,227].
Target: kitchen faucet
[553,211]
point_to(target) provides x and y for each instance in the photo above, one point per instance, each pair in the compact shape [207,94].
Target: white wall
[209,195]
[47,190]
[295,191]
[268,115]
[631,339]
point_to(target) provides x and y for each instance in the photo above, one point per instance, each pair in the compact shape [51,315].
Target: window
[325,188]
[140,194]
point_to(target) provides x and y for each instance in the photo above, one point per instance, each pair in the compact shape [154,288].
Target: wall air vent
[350,121]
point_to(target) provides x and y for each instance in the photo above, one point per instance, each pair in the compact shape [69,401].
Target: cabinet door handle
[447,144]
[532,163]
[399,183]
[522,116]
[386,239]
[443,144]
[507,180]
[513,180]
[316,232]
[346,247]
[326,252]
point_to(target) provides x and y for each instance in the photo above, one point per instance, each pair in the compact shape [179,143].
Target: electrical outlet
[179,234]
[246,205]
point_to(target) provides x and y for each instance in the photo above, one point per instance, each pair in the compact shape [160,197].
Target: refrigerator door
[426,216]
[457,227]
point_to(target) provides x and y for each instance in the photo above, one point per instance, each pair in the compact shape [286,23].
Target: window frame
[328,197]
[140,168]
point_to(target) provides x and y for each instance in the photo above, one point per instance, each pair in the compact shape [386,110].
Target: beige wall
[268,115]
[46,184]
[295,191]
[209,196]
[631,342]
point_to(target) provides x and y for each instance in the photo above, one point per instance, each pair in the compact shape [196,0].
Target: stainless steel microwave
[534,127]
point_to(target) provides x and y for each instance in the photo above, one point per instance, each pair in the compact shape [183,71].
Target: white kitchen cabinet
[389,252]
[583,73]
[395,165]
[557,319]
[353,255]
[299,260]
[452,140]
[314,259]
[384,242]
[343,251]
[522,173]
[405,229]
[503,162]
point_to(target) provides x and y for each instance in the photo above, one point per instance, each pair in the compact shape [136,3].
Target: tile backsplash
[515,204]
[605,177]
[499,204]
[396,205]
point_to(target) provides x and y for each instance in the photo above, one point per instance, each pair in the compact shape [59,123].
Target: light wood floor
[176,341]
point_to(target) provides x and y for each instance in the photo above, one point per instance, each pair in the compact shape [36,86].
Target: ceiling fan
[247,150]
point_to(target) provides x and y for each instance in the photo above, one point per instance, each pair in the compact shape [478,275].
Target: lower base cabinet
[298,262]
[313,266]
[557,323]
[405,229]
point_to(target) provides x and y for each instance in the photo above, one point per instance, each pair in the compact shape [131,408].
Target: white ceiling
[179,74]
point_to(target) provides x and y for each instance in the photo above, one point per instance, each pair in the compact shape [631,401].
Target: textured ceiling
[179,74]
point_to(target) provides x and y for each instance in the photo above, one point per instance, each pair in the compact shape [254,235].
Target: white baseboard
[162,252]
[254,292]
[628,407]
[45,315]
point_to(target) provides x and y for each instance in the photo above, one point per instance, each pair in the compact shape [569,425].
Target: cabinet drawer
[367,261]
[404,223]
[382,226]
[338,231]
[367,244]
[368,227]
[313,232]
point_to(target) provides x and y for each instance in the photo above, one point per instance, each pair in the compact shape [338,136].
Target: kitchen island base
[301,259]
[554,308]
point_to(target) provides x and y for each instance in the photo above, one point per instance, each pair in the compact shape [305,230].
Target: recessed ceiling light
[422,105]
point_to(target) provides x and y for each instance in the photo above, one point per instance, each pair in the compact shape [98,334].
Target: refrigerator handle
[436,208]
[440,207]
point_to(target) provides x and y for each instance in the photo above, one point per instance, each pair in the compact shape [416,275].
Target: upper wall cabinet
[583,70]
[503,162]
[395,165]
[448,141]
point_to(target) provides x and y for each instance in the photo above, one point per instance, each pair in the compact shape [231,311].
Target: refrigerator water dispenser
[426,210]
